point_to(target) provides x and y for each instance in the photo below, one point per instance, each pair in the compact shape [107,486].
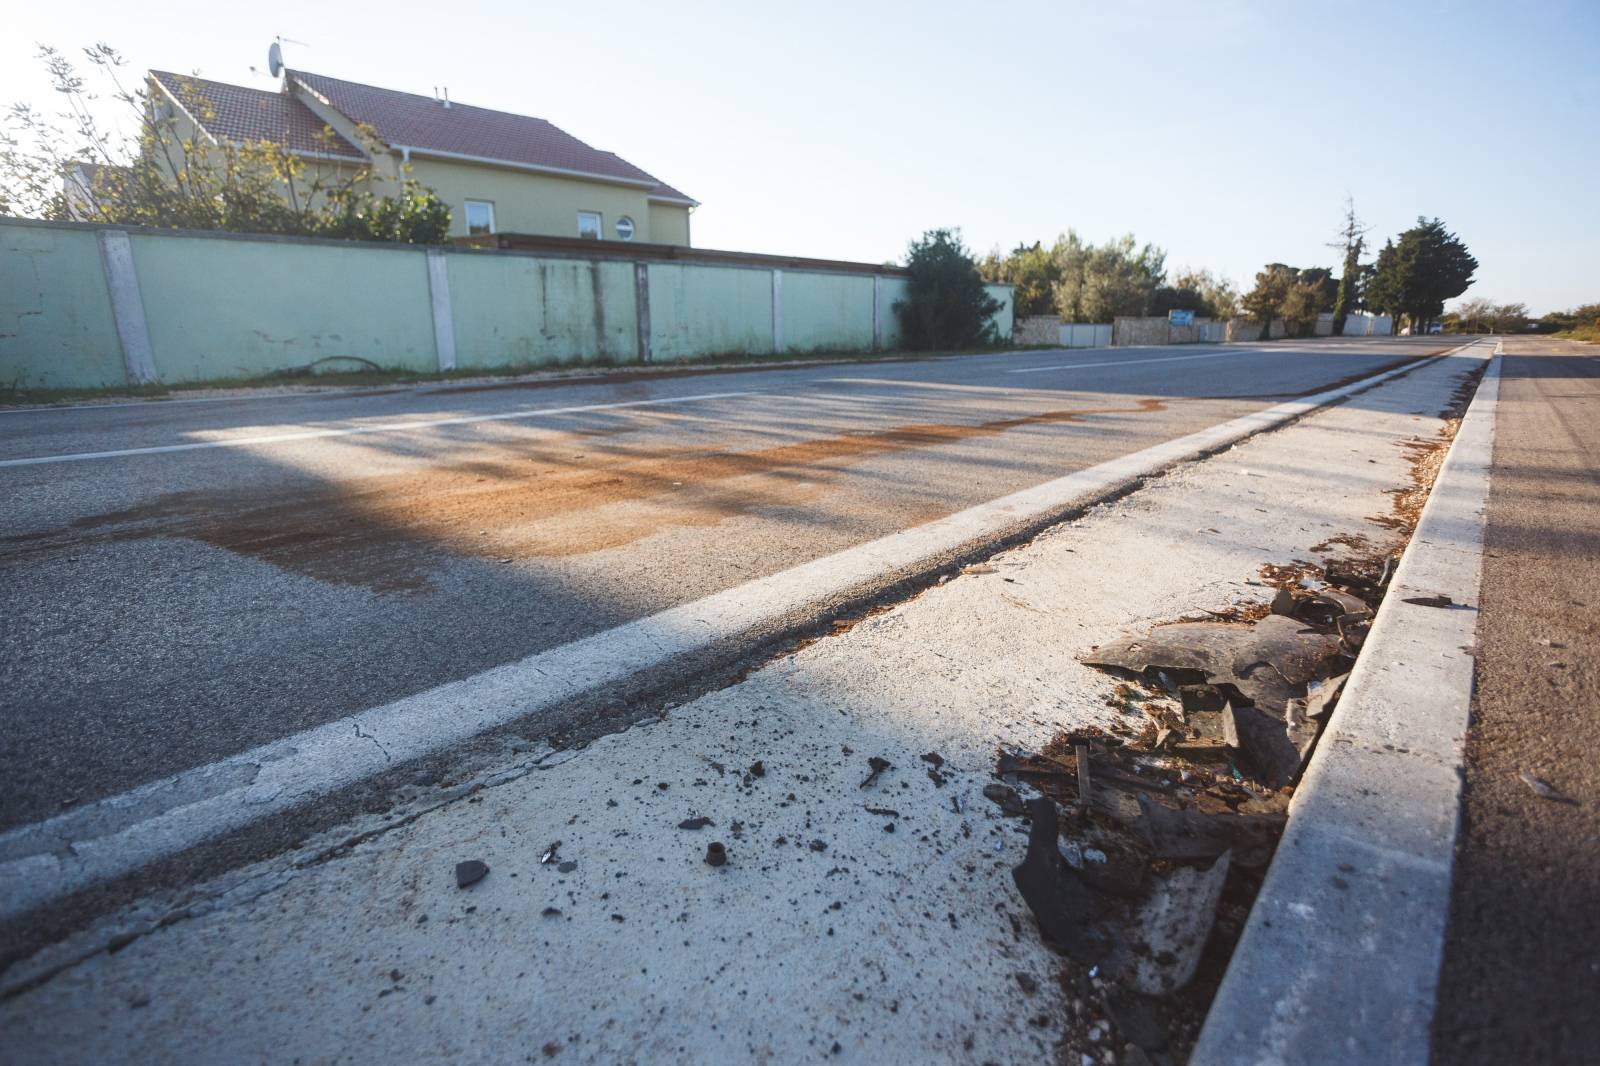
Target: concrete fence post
[877,312]
[641,303]
[127,307]
[444,328]
[777,311]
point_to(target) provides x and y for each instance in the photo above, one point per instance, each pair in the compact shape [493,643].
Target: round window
[625,228]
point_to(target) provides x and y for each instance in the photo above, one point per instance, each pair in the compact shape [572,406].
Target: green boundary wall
[88,306]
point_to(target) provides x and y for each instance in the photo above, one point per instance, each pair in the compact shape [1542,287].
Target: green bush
[946,304]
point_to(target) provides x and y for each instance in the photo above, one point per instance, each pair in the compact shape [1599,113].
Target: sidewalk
[1521,974]
[858,918]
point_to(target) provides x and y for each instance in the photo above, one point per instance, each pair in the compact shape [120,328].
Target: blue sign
[1180,318]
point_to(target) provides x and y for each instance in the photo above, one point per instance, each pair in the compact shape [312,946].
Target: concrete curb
[1340,959]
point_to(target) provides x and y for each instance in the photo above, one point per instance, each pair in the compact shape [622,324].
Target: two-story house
[499,172]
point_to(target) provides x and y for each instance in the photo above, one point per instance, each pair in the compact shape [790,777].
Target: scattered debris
[549,855]
[716,853]
[1545,790]
[1268,661]
[935,758]
[1005,796]
[1063,905]
[1160,950]
[878,766]
[470,872]
[695,823]
[551,912]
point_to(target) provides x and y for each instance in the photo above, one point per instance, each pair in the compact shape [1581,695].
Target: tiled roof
[238,114]
[422,122]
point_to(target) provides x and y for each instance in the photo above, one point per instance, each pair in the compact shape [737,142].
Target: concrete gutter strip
[1339,962]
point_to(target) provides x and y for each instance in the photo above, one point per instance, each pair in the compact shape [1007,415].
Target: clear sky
[1227,132]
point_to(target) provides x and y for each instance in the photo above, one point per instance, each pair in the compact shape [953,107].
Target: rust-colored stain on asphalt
[514,502]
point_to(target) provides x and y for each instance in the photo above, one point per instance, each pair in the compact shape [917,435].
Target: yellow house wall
[529,202]
[669,224]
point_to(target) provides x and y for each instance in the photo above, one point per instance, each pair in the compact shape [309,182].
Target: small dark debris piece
[551,912]
[887,812]
[1265,742]
[567,867]
[818,845]
[935,758]
[1430,601]
[1063,905]
[888,827]
[878,765]
[716,853]
[936,777]
[1005,796]
[695,823]
[1027,983]
[1197,699]
[470,872]
[618,918]
[758,769]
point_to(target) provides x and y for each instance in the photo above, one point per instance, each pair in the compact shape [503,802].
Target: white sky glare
[1228,133]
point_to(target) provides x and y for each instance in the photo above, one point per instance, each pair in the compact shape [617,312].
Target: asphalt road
[168,605]
[1521,973]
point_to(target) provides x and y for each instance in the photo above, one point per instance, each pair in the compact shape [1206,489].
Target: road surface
[182,581]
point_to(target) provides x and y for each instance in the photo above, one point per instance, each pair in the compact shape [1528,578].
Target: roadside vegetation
[147,166]
[1413,276]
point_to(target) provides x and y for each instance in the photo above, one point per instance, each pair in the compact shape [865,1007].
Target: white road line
[378,427]
[116,836]
[1129,362]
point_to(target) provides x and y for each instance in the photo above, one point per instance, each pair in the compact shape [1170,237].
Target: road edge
[1339,961]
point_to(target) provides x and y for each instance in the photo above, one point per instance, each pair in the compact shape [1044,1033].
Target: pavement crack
[375,740]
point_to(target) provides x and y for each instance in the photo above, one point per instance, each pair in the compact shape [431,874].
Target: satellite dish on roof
[275,59]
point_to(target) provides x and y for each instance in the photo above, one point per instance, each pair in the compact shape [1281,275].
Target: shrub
[946,304]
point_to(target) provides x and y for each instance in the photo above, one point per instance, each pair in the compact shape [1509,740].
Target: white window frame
[599,224]
[480,203]
[633,228]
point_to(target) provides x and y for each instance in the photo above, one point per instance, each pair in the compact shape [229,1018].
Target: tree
[1352,237]
[1417,274]
[1297,296]
[946,305]
[166,172]
[1098,283]
[1031,270]
[1509,318]
[1218,298]
[1471,316]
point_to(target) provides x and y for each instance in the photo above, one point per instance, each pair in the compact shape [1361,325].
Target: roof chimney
[447,96]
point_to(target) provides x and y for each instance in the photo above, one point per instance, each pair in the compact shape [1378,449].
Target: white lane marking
[1128,362]
[118,835]
[378,427]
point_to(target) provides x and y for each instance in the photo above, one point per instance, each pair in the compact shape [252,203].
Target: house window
[589,225]
[480,217]
[625,228]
